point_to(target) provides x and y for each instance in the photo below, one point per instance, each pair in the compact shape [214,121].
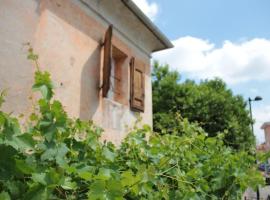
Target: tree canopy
[209,103]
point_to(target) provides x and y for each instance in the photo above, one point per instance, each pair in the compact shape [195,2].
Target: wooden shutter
[137,85]
[107,61]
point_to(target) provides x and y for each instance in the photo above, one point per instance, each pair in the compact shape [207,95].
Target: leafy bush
[56,157]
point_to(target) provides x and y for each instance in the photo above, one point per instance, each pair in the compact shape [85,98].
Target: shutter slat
[137,86]
[107,61]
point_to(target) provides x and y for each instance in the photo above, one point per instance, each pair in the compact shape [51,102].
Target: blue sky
[229,39]
[214,20]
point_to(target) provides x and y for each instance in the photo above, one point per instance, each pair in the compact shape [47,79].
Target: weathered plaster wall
[67,36]
[18,23]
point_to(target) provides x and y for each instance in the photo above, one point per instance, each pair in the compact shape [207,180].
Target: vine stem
[183,181]
[168,169]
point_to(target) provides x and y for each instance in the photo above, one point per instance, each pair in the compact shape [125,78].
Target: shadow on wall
[90,74]
[90,81]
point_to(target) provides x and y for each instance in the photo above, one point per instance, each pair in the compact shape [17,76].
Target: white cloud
[149,9]
[262,115]
[233,62]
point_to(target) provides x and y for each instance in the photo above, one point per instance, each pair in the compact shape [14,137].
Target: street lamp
[257,98]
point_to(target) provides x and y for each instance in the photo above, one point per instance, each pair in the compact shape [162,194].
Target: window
[118,81]
[115,76]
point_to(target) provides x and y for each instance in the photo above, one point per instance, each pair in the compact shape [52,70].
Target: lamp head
[258,98]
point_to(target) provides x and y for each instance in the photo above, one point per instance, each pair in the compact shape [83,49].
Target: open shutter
[107,61]
[137,85]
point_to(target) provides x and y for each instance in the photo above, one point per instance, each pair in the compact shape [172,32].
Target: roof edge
[149,24]
[265,125]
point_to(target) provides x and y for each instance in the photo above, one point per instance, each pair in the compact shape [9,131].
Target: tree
[209,103]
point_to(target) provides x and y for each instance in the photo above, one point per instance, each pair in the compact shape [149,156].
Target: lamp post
[257,98]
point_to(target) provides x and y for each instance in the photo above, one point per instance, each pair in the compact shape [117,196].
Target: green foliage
[209,103]
[57,157]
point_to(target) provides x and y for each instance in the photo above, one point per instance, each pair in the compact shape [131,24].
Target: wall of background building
[267,135]
[67,36]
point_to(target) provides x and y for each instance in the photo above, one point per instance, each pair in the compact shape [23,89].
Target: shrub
[57,157]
